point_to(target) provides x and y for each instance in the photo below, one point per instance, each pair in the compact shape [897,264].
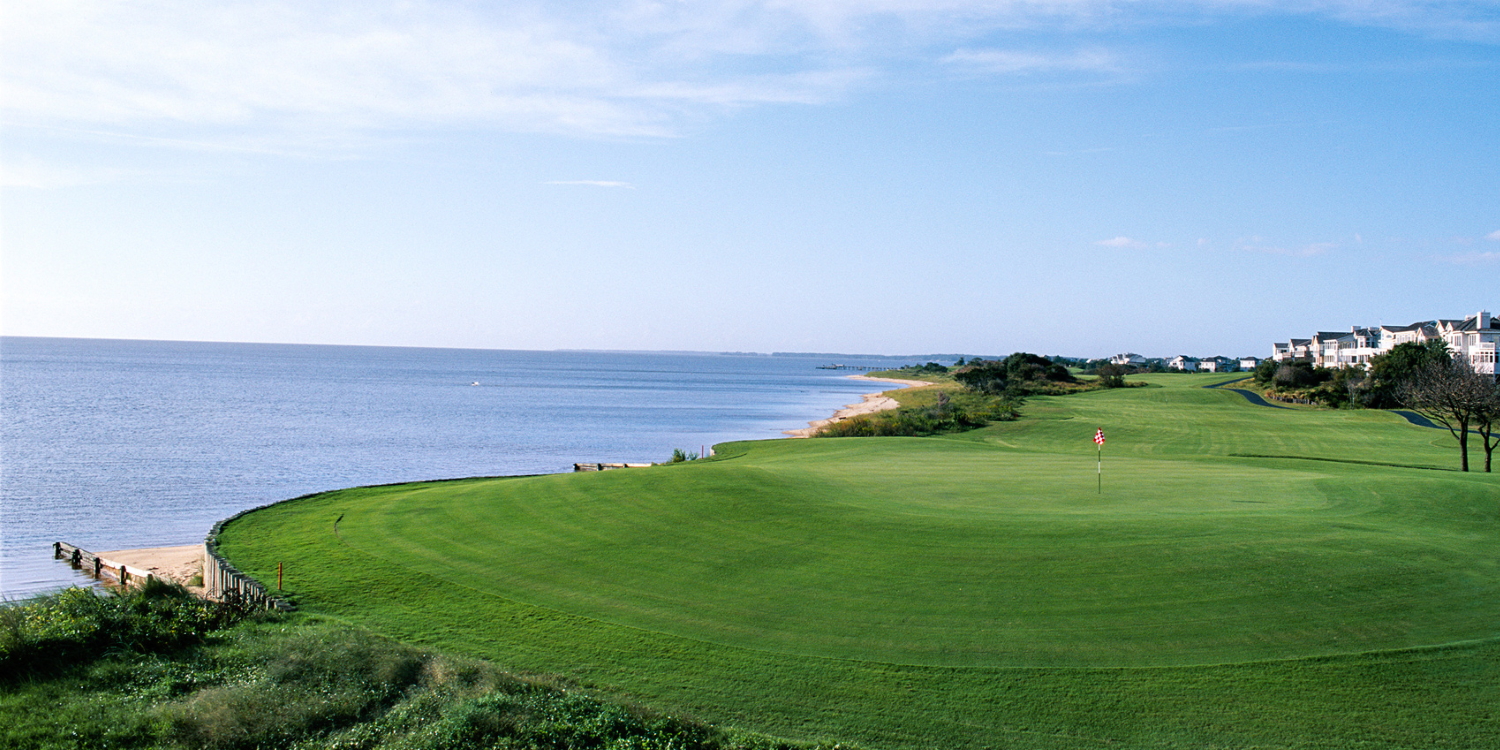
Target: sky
[1075,177]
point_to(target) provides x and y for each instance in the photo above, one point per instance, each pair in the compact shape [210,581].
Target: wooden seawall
[98,567]
[222,582]
[608,467]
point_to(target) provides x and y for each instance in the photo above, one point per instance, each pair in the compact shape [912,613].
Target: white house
[1295,350]
[1183,362]
[1249,363]
[1129,358]
[1216,364]
[1337,349]
[1476,339]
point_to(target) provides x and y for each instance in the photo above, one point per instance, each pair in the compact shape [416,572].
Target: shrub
[78,625]
[949,414]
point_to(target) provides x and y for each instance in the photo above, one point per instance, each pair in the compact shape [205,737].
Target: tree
[1451,393]
[1299,375]
[985,376]
[1026,366]
[1111,375]
[1265,372]
[1487,419]
[1389,370]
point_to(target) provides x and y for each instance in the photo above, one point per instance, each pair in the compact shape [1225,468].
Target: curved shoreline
[176,559]
[873,402]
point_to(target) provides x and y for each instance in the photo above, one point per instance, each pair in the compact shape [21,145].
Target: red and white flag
[1099,437]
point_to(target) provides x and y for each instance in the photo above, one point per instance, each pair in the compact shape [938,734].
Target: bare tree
[1455,396]
[1487,418]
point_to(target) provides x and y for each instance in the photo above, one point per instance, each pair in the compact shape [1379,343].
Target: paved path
[1255,398]
[1251,396]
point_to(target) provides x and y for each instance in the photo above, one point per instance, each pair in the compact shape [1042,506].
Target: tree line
[1423,377]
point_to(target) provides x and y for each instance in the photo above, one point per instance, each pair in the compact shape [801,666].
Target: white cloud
[1495,235]
[330,72]
[1122,241]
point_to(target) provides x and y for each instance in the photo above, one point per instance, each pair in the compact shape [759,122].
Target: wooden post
[124,576]
[77,558]
[57,550]
[278,576]
[97,565]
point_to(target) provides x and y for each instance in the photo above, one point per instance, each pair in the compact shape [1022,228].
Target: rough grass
[969,590]
[50,633]
[310,683]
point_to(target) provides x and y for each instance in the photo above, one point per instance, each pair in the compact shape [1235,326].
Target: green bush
[955,413]
[298,684]
[78,625]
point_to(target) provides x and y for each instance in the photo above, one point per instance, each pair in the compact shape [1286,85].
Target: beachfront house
[1183,363]
[1128,359]
[1295,350]
[1475,338]
[1217,364]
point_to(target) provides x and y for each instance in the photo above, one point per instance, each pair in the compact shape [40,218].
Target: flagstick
[1100,459]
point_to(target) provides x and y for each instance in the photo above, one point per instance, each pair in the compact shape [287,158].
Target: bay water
[111,444]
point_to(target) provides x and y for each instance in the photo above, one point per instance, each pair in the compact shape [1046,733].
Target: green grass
[304,682]
[969,590]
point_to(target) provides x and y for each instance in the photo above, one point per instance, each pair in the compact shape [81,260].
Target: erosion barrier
[224,582]
[608,467]
[100,568]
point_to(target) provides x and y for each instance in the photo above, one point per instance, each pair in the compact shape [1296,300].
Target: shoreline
[177,564]
[873,402]
[182,563]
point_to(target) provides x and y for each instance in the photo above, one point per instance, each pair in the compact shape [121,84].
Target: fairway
[1241,568]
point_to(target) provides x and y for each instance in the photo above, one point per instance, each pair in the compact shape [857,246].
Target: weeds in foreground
[77,625]
[302,683]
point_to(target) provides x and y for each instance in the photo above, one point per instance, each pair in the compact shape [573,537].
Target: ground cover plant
[1248,577]
[77,625]
[299,682]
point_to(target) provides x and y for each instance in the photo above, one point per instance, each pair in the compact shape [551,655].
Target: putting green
[1225,533]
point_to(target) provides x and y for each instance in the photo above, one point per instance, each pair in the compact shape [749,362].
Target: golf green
[947,591]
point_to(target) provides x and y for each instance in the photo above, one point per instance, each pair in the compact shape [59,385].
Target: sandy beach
[872,403]
[180,564]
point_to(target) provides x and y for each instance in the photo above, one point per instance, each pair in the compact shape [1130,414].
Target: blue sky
[897,176]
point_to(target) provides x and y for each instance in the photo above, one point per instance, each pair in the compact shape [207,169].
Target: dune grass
[304,682]
[1238,582]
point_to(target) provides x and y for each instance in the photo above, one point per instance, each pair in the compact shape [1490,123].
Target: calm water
[120,444]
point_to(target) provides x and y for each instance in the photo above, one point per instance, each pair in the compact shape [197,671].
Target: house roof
[1472,324]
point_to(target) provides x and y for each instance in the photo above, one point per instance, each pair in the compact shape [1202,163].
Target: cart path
[1255,398]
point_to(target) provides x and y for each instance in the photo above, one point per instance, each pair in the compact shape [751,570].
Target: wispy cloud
[1474,259]
[1257,244]
[1495,235]
[26,172]
[269,72]
[1123,242]
[1018,62]
[592,183]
